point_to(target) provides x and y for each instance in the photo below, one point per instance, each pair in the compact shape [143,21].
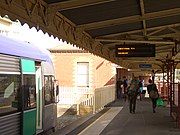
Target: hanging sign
[135,50]
[145,66]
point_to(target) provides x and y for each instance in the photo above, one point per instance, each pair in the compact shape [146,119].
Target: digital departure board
[135,50]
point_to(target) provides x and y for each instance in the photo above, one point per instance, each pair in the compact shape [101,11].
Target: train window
[29,90]
[53,89]
[49,90]
[9,93]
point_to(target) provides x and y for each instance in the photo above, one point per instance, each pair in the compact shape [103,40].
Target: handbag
[144,92]
[153,94]
[160,102]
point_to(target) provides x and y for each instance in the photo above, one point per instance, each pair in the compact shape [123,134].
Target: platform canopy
[99,25]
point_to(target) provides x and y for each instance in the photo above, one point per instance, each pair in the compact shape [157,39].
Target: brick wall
[101,71]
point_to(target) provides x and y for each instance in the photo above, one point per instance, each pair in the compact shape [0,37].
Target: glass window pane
[82,80]
[49,90]
[29,91]
[9,93]
[83,74]
[82,68]
[52,89]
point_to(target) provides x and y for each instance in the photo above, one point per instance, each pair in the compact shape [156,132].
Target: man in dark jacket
[125,84]
[132,93]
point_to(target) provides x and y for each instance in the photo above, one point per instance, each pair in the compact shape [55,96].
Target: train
[28,89]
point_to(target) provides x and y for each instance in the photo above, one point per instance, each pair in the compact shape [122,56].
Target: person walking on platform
[153,94]
[125,84]
[132,93]
[140,89]
[119,88]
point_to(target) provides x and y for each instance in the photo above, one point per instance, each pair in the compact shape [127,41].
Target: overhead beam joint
[72,4]
[130,19]
[142,13]
[135,41]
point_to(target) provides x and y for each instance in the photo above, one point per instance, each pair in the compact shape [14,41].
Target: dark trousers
[154,103]
[132,103]
[125,93]
[119,93]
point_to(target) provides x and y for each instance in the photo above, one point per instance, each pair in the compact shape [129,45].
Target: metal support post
[178,108]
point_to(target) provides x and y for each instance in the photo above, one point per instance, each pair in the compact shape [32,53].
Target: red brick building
[78,68]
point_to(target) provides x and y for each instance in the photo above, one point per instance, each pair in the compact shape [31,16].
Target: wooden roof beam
[163,48]
[156,31]
[139,60]
[130,19]
[135,41]
[160,45]
[113,44]
[71,4]
[142,13]
[174,30]
[158,28]
[163,51]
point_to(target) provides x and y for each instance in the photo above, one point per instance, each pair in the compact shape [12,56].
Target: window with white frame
[83,74]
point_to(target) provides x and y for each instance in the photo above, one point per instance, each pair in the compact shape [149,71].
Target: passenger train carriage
[27,89]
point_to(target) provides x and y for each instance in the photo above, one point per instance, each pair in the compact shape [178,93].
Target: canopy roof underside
[99,25]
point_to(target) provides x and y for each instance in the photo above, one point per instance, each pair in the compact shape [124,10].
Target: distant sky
[34,36]
[24,33]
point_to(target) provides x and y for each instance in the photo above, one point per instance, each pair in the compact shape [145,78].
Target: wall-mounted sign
[135,50]
[145,66]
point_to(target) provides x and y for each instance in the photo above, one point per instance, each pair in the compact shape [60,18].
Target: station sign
[145,66]
[135,50]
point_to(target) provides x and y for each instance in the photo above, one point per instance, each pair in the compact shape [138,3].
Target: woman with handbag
[153,94]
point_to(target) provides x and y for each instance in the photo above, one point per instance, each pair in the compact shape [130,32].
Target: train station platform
[115,119]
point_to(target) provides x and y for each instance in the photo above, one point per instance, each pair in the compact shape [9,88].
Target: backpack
[131,93]
[132,90]
[153,92]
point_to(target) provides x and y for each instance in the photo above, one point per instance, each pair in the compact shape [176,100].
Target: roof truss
[150,31]
[143,13]
[39,14]
[131,19]
[71,4]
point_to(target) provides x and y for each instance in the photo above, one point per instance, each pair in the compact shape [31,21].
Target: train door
[39,99]
[29,96]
